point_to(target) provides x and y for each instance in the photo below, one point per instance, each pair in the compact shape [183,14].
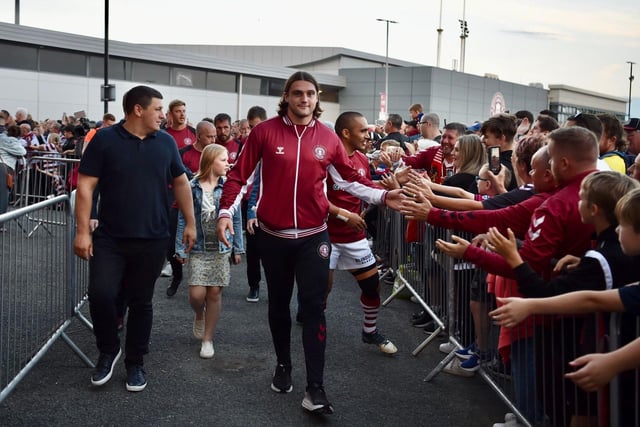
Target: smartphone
[494,159]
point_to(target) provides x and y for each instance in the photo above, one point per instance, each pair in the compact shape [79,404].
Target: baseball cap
[475,127]
[632,124]
[413,123]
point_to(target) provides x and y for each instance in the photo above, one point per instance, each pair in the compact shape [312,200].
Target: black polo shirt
[134,175]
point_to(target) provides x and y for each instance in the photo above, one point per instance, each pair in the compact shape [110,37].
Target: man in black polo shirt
[133,163]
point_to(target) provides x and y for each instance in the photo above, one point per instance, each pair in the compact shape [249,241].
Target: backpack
[628,158]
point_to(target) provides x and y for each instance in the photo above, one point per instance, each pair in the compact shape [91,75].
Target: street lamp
[630,82]
[107,91]
[386,64]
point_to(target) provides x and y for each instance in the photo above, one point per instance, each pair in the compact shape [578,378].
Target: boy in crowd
[593,371]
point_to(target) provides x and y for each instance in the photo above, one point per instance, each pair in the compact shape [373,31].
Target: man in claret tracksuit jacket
[296,152]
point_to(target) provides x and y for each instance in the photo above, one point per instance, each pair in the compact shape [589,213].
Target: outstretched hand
[455,249]
[513,311]
[402,175]
[394,199]
[595,370]
[568,262]
[415,206]
[505,246]
[390,181]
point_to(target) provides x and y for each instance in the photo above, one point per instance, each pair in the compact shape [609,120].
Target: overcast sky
[583,43]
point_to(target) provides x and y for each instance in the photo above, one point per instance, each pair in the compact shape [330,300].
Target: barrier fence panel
[43,177]
[524,365]
[41,287]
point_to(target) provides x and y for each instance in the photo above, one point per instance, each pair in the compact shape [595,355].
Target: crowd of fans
[543,202]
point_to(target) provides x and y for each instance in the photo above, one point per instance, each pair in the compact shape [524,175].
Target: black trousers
[176,267]
[252,253]
[305,260]
[134,266]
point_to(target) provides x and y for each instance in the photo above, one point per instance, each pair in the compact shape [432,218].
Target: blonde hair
[54,139]
[210,153]
[472,154]
[604,189]
[628,209]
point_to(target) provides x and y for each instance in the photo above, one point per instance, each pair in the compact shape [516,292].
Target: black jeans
[306,260]
[134,265]
[176,267]
[252,253]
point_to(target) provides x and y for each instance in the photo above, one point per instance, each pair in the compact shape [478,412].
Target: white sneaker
[167,271]
[447,347]
[510,420]
[198,328]
[454,368]
[206,350]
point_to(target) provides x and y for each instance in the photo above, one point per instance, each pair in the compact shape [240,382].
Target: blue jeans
[523,371]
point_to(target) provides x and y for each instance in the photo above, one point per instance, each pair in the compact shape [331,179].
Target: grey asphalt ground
[366,387]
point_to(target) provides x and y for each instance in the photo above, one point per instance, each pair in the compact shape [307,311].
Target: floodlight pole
[630,82]
[386,63]
[439,30]
[464,28]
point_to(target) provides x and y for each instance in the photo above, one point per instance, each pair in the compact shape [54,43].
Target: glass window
[150,73]
[329,94]
[116,67]
[59,61]
[251,85]
[276,87]
[189,78]
[221,82]
[17,56]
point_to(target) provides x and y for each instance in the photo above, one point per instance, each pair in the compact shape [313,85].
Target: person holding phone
[500,131]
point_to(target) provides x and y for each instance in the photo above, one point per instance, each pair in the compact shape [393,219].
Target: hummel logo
[279,150]
[538,221]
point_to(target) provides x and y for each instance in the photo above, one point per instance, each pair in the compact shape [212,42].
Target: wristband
[342,217]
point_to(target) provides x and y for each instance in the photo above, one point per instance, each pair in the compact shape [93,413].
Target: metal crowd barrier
[524,366]
[42,177]
[42,287]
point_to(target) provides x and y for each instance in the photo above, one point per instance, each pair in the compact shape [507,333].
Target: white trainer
[206,350]
[198,328]
[167,271]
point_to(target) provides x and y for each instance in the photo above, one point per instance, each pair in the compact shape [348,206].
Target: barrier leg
[84,320]
[77,350]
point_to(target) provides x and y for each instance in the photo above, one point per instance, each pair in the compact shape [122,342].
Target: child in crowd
[593,370]
[209,268]
[604,267]
[486,189]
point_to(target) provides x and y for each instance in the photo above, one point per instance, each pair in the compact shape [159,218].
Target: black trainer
[104,368]
[316,401]
[253,295]
[422,321]
[281,382]
[173,287]
[136,378]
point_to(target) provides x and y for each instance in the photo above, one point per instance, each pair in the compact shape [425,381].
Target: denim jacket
[236,240]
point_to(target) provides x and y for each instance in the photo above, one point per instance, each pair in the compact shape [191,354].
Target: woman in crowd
[10,151]
[468,157]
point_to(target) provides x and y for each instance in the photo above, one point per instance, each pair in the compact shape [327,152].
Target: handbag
[8,174]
